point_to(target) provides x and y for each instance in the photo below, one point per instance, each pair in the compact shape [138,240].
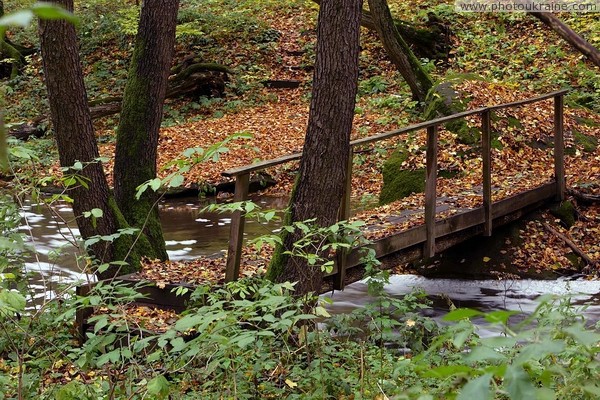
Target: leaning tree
[137,134]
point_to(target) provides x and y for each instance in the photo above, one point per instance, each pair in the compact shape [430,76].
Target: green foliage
[375,84]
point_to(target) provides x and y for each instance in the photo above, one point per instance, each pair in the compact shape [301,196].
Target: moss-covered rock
[587,142]
[399,182]
[566,212]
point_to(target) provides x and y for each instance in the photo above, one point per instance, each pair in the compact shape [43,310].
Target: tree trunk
[141,116]
[400,54]
[320,187]
[432,42]
[73,128]
[569,35]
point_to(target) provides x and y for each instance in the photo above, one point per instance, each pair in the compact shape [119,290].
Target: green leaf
[176,181]
[483,353]
[517,383]
[461,313]
[592,389]
[18,18]
[158,386]
[461,337]
[97,212]
[446,371]
[500,316]
[12,300]
[51,11]
[155,184]
[188,322]
[321,312]
[477,389]
[582,335]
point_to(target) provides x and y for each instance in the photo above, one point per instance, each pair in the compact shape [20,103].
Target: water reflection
[56,257]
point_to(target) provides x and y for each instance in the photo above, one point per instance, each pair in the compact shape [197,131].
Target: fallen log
[591,264]
[584,197]
[568,34]
[197,79]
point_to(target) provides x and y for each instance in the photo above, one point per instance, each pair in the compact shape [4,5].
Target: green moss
[126,247]
[587,142]
[279,259]
[444,100]
[398,182]
[566,212]
[575,261]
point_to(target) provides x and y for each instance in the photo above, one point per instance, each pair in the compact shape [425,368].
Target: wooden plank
[530,100]
[559,147]
[416,127]
[521,200]
[430,188]
[246,169]
[236,236]
[486,147]
[344,214]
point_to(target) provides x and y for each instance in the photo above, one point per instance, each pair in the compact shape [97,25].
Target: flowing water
[190,232]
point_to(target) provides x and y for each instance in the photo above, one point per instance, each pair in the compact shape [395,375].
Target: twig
[588,198]
[590,263]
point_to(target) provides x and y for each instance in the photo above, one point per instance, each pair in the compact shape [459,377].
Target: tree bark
[399,52]
[73,128]
[568,34]
[432,42]
[320,187]
[141,116]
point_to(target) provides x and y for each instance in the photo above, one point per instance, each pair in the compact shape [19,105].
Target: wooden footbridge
[433,236]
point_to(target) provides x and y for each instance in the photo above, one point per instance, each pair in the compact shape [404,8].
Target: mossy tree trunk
[400,54]
[141,116]
[320,186]
[74,130]
[76,141]
[8,51]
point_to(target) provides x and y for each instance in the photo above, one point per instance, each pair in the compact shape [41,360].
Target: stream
[190,232]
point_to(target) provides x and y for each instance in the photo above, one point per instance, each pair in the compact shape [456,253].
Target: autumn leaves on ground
[495,59]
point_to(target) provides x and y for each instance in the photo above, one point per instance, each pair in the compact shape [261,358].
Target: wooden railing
[242,176]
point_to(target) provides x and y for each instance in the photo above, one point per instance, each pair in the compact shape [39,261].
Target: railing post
[430,189]
[236,236]
[559,149]
[344,214]
[486,145]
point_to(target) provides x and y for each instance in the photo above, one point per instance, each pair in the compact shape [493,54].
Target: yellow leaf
[290,383]
[486,259]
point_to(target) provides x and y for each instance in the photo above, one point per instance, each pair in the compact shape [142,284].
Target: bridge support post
[236,236]
[430,189]
[344,214]
[559,147]
[486,146]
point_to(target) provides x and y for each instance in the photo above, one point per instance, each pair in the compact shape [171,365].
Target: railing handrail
[245,169]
